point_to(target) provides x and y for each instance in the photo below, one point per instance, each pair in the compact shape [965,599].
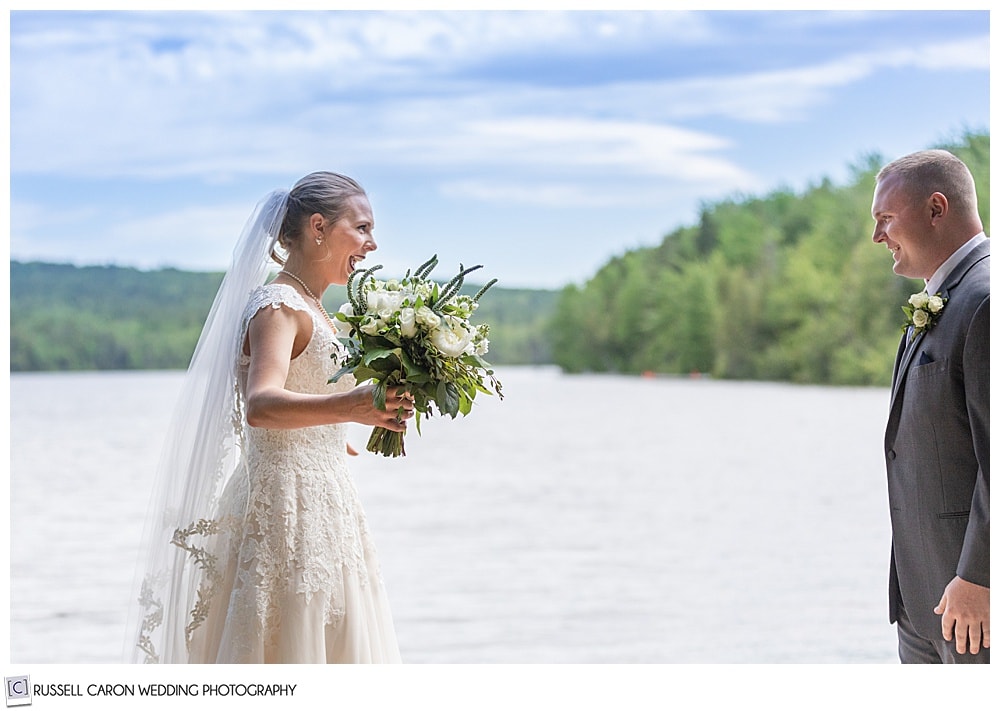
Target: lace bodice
[311,369]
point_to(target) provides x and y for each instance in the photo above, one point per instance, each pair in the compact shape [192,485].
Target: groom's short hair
[936,171]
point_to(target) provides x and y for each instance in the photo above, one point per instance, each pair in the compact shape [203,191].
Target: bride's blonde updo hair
[323,192]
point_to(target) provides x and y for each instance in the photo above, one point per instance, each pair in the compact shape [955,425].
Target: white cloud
[612,194]
[167,95]
[364,45]
[203,235]
[199,237]
[971,53]
[39,231]
[538,194]
[773,96]
[449,97]
[639,160]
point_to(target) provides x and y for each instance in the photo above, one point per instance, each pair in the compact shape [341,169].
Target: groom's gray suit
[937,451]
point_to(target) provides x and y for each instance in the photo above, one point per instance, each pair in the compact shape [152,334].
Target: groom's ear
[937,204]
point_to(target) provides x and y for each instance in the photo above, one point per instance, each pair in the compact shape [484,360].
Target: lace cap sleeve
[275,296]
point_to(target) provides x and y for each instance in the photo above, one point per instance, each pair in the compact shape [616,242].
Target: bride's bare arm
[274,335]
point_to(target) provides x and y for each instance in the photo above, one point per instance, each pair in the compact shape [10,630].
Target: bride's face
[350,239]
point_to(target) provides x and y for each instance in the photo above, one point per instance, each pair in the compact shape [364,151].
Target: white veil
[201,452]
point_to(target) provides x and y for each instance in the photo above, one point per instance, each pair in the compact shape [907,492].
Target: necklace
[313,296]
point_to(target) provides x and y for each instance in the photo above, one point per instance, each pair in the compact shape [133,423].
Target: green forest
[784,287]
[64,317]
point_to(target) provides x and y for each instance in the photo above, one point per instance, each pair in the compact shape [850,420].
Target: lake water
[584,519]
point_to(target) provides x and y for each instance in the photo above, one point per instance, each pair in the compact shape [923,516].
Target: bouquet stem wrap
[416,335]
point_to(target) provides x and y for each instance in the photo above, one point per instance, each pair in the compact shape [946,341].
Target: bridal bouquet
[416,334]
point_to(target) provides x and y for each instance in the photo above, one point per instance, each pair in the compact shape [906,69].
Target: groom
[937,448]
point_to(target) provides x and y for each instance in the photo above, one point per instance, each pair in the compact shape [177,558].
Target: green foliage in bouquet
[416,334]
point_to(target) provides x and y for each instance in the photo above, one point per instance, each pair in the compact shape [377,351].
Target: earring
[319,241]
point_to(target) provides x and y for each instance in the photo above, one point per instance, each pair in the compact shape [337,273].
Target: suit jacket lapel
[909,349]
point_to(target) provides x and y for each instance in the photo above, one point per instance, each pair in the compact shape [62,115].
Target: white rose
[346,309]
[920,318]
[407,323]
[426,317]
[373,300]
[451,341]
[371,326]
[389,304]
[918,301]
[935,304]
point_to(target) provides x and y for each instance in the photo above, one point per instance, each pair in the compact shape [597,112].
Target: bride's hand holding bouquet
[414,339]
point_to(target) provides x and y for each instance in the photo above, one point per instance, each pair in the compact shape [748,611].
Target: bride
[257,548]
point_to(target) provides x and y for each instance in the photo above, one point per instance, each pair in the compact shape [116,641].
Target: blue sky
[539,144]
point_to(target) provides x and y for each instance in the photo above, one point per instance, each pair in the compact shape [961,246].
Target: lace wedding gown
[290,572]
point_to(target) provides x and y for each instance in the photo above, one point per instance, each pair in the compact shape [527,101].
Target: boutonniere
[923,311]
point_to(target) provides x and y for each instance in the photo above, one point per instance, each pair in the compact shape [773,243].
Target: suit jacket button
[891,454]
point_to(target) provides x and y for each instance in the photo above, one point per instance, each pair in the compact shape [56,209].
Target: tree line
[64,317]
[785,287]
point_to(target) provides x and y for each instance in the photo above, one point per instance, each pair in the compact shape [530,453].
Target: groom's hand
[965,608]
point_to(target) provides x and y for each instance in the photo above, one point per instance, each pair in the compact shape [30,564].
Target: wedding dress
[297,579]
[289,572]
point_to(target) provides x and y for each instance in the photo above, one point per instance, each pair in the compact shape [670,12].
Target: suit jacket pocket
[954,514]
[927,370]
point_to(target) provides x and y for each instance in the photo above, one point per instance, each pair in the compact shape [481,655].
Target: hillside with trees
[64,317]
[784,287]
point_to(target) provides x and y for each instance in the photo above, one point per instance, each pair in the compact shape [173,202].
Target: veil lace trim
[202,448]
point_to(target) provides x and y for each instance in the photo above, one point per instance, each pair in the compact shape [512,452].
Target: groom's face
[900,225]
